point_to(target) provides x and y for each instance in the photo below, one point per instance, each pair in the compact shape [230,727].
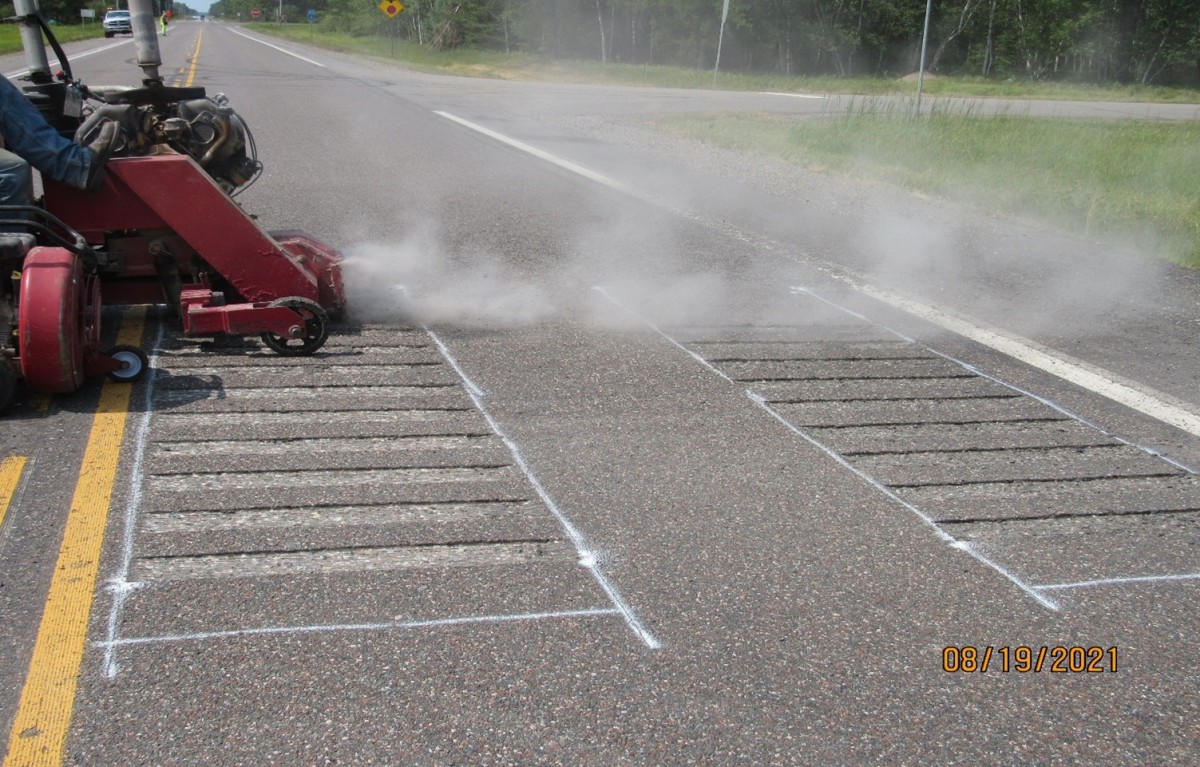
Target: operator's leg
[28,134]
[16,187]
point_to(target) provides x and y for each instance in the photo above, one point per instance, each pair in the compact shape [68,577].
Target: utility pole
[924,45]
[720,39]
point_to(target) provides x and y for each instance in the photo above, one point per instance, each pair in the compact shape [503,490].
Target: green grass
[10,35]
[1136,181]
[1122,179]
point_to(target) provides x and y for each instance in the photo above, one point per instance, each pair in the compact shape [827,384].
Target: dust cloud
[412,282]
[1029,278]
[418,280]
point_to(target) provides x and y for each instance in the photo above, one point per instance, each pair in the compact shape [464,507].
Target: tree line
[67,11]
[1128,41]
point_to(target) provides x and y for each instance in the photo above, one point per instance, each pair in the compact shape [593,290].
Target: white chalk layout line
[1093,379]
[119,585]
[325,628]
[1133,579]
[699,359]
[890,494]
[276,47]
[587,558]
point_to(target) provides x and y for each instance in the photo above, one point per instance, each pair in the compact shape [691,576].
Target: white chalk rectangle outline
[122,588]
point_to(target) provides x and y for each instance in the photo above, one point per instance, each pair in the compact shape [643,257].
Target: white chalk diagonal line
[587,558]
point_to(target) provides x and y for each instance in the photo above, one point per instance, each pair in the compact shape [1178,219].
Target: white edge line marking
[1120,581]
[587,559]
[794,95]
[74,57]
[592,175]
[335,627]
[119,584]
[891,495]
[1024,350]
[276,47]
[1009,344]
[797,290]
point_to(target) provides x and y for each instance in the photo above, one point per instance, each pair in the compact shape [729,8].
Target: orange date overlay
[1023,659]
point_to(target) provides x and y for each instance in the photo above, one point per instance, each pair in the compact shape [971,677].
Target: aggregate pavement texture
[600,477]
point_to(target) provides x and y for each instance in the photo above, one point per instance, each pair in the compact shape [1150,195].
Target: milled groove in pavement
[356,487]
[1043,495]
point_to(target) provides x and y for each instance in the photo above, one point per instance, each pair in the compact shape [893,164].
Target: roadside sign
[256,13]
[312,15]
[392,8]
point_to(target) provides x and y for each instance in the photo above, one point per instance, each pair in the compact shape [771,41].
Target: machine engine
[206,129]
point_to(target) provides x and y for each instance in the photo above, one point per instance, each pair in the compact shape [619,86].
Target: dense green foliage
[1127,41]
[63,12]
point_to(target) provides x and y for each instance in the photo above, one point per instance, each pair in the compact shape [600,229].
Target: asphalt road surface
[633,452]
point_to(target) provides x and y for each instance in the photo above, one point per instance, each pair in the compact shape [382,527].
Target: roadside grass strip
[1127,179]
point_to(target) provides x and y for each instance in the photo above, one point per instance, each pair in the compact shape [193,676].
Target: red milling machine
[163,228]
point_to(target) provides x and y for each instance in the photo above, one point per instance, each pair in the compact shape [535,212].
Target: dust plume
[423,279]
[413,281]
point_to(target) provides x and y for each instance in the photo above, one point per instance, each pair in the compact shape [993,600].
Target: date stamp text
[1023,659]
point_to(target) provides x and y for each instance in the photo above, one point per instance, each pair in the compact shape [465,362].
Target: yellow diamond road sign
[391,7]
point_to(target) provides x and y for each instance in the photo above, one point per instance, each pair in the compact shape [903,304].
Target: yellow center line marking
[39,731]
[10,476]
[191,78]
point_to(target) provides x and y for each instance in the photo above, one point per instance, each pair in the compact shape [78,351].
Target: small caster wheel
[134,364]
[316,328]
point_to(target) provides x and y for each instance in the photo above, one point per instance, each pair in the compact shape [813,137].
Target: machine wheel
[316,326]
[55,320]
[136,364]
[8,382]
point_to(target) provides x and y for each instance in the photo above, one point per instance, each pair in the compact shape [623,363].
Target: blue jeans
[28,137]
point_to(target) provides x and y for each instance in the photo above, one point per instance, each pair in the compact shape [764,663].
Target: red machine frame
[160,229]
